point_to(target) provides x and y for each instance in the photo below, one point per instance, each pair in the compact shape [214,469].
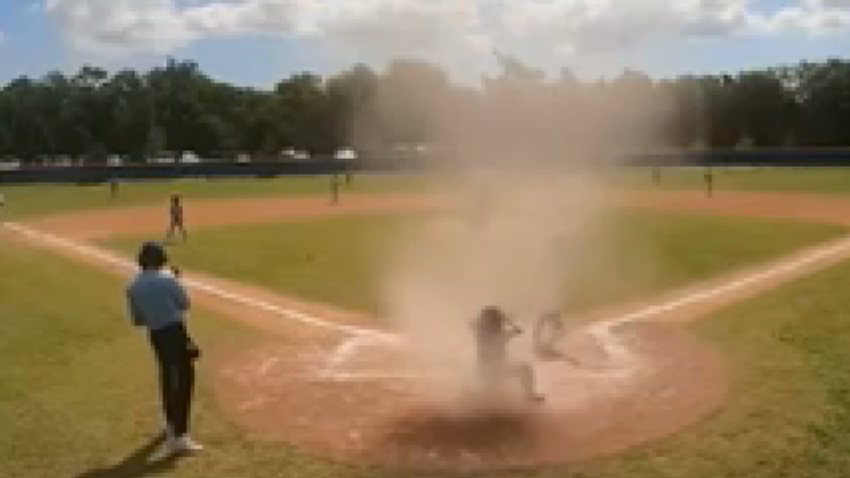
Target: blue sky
[258,42]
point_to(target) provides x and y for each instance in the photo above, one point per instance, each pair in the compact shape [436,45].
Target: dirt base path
[358,397]
[374,410]
[99,224]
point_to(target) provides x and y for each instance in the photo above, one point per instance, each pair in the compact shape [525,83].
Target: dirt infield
[370,410]
[99,224]
[326,381]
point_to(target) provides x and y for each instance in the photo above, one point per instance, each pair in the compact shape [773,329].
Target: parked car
[346,154]
[189,157]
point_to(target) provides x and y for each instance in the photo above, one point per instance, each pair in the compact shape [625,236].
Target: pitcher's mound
[371,409]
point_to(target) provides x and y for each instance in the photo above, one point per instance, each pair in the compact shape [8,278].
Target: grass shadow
[138,464]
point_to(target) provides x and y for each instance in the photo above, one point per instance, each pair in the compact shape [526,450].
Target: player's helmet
[492,320]
[152,255]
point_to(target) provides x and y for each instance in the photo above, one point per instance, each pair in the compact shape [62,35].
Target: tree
[824,90]
[685,124]
[351,96]
[300,111]
[764,105]
[176,103]
[7,146]
[29,120]
[130,108]
[724,119]
[177,107]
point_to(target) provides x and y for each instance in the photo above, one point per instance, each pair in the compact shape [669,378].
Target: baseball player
[2,207]
[157,301]
[548,332]
[709,182]
[176,218]
[493,331]
[334,186]
[113,189]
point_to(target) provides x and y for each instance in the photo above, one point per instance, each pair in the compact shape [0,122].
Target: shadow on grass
[138,464]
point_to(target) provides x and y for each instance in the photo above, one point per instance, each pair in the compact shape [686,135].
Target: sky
[259,42]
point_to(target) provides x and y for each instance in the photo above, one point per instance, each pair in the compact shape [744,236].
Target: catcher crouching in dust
[493,332]
[549,331]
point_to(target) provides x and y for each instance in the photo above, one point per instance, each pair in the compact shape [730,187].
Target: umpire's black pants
[176,375]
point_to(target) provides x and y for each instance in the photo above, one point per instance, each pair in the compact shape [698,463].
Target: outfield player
[176,218]
[334,188]
[113,189]
[493,332]
[158,302]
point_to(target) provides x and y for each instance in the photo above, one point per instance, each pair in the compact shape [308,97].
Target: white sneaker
[167,430]
[184,445]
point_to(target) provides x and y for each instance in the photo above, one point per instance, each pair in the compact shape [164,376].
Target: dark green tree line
[178,108]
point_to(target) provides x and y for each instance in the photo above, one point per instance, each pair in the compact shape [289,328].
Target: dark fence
[102,174]
[755,158]
[269,169]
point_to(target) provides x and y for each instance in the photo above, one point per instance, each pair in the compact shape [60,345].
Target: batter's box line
[345,351]
[571,373]
[623,362]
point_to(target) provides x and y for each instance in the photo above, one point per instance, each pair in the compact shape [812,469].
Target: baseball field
[708,335]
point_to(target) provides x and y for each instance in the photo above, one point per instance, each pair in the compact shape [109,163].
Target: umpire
[159,303]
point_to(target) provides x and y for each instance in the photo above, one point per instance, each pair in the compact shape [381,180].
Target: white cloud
[815,17]
[252,16]
[383,28]
[391,27]
[584,26]
[121,26]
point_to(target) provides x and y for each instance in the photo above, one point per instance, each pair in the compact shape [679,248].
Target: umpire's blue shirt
[156,300]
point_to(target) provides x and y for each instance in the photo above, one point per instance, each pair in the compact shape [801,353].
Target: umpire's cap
[152,255]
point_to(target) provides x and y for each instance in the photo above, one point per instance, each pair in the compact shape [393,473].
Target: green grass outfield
[34,200]
[334,259]
[814,180]
[77,389]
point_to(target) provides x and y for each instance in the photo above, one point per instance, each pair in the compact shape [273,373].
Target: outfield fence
[96,174]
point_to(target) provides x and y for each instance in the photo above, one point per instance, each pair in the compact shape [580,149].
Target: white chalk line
[785,267]
[106,257]
[267,365]
[612,372]
[602,330]
[341,354]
